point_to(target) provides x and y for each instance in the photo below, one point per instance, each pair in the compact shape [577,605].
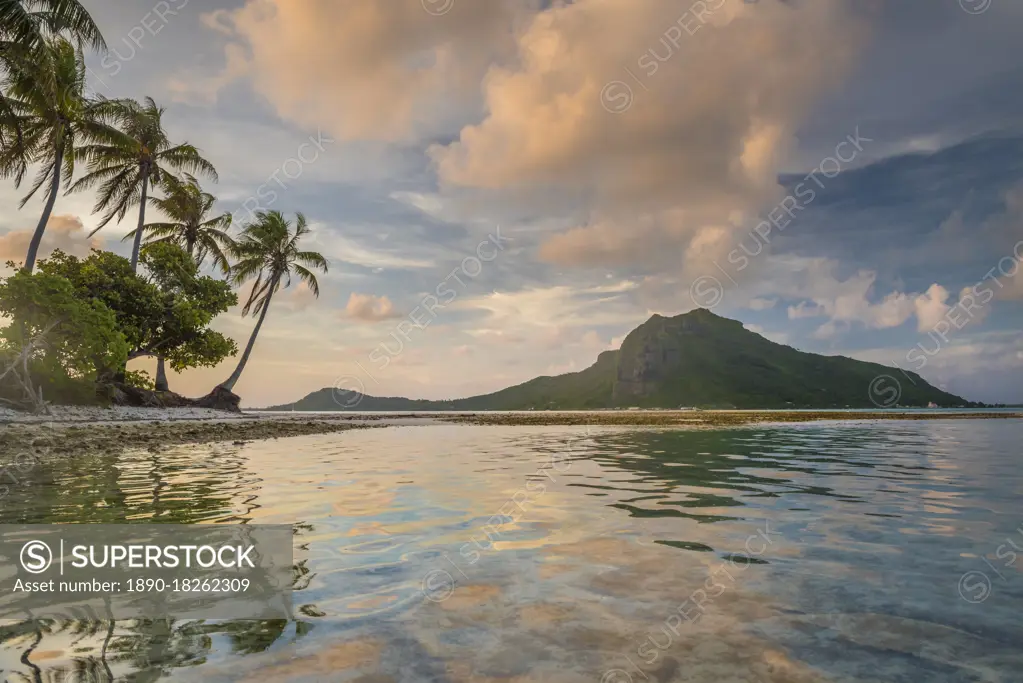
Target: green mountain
[697,359]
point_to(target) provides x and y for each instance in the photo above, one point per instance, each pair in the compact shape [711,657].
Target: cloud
[980,366]
[1010,266]
[299,297]
[805,309]
[1012,288]
[828,330]
[555,308]
[693,159]
[843,301]
[853,300]
[64,232]
[931,307]
[697,153]
[349,251]
[758,304]
[370,308]
[363,69]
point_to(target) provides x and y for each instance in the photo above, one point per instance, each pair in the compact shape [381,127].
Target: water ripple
[812,552]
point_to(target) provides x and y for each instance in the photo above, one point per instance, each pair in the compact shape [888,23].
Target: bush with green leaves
[139,379]
[97,314]
[190,303]
[73,340]
[166,310]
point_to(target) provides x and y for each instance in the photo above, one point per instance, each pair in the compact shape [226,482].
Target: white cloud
[845,301]
[931,307]
[759,304]
[342,249]
[370,308]
[63,232]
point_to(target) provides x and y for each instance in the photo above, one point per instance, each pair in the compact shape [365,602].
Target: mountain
[697,359]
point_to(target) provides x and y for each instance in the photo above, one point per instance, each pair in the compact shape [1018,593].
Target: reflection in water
[455,553]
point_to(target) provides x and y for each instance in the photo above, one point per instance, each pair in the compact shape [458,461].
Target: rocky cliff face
[653,352]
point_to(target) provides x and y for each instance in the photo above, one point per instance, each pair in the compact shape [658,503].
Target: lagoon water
[858,551]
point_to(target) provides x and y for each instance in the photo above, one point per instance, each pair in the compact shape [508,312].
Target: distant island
[698,360]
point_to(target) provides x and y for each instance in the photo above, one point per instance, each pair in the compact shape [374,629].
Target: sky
[506,188]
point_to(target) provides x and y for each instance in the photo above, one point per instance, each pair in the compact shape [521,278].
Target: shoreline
[71,437]
[155,429]
[715,419]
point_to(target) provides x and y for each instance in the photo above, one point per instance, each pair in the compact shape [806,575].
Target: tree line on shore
[72,324]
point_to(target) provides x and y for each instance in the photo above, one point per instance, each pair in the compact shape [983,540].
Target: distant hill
[698,359]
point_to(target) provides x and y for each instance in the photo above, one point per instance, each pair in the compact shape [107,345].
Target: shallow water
[802,553]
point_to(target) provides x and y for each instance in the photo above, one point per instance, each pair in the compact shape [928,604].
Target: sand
[63,414]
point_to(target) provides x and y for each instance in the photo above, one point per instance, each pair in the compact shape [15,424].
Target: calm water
[853,552]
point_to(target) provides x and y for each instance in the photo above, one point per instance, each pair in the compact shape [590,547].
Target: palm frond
[185,157]
[309,278]
[267,251]
[129,147]
[69,17]
[25,25]
[313,258]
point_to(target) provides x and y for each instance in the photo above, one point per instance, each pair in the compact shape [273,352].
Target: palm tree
[50,113]
[188,208]
[268,251]
[126,162]
[25,26]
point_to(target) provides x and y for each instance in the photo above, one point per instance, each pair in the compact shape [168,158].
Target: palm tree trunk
[137,244]
[136,247]
[37,237]
[233,379]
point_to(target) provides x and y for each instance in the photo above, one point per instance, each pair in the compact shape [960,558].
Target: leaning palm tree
[268,251]
[188,208]
[190,227]
[25,27]
[126,163]
[51,114]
